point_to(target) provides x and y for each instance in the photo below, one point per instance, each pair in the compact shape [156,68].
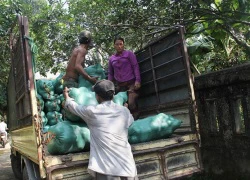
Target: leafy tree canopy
[217,31]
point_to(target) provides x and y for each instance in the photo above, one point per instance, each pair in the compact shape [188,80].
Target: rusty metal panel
[168,158]
[79,172]
[24,141]
[25,132]
[19,70]
[11,115]
[167,83]
[163,72]
[149,166]
[182,161]
[50,161]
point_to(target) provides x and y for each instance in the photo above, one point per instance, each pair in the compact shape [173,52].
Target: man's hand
[137,85]
[92,79]
[66,93]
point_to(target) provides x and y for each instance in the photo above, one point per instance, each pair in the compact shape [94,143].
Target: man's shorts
[70,83]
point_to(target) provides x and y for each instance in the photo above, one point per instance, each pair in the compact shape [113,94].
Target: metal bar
[144,60]
[146,71]
[65,165]
[182,152]
[193,110]
[172,60]
[164,148]
[177,72]
[154,76]
[164,76]
[20,98]
[167,106]
[166,49]
[25,116]
[163,64]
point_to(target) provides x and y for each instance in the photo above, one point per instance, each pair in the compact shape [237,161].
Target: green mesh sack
[44,119]
[95,71]
[61,98]
[40,101]
[152,128]
[45,88]
[67,137]
[120,98]
[53,105]
[46,128]
[58,84]
[82,96]
[54,117]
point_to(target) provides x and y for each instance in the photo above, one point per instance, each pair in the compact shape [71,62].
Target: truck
[167,87]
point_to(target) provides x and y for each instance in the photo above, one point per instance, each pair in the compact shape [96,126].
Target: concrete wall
[224,119]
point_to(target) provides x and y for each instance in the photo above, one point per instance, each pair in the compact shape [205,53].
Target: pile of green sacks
[65,132]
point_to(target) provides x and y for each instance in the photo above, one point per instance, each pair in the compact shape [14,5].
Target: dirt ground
[6,172]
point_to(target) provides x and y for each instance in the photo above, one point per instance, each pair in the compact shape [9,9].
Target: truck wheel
[16,166]
[25,173]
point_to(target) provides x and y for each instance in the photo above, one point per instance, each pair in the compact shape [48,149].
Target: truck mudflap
[170,158]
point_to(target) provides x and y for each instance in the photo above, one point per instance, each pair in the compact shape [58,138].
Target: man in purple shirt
[124,72]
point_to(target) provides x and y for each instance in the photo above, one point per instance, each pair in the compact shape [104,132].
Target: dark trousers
[107,177]
[132,96]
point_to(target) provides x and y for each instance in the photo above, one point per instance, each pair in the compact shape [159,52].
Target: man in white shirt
[3,128]
[111,157]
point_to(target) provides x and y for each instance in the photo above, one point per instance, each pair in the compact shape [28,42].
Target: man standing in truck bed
[76,62]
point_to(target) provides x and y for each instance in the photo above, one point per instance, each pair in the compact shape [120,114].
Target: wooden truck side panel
[24,122]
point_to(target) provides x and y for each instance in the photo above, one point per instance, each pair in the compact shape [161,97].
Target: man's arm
[136,70]
[80,59]
[110,71]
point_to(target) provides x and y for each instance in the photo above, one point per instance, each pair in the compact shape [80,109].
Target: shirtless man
[76,63]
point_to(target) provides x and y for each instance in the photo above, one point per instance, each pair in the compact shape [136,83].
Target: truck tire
[16,166]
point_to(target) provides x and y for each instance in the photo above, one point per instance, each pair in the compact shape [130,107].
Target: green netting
[95,71]
[58,84]
[120,98]
[68,137]
[46,128]
[53,105]
[40,101]
[54,117]
[153,128]
[44,119]
[45,88]
[82,96]
[72,134]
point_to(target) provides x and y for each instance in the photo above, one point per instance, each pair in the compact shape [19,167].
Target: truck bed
[161,159]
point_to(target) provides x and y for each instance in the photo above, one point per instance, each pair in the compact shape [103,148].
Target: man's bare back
[72,71]
[76,65]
